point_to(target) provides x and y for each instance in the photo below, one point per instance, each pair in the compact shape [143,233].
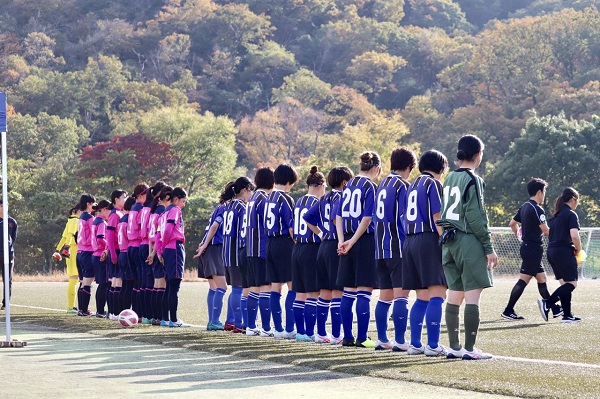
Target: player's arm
[576,239]
[546,230]
[209,236]
[514,226]
[477,219]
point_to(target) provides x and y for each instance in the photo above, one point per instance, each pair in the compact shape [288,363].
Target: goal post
[509,260]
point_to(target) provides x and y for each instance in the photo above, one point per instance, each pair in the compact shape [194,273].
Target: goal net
[509,261]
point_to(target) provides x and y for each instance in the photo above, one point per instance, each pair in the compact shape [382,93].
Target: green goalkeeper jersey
[464,206]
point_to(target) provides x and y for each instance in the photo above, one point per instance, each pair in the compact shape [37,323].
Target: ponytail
[567,194]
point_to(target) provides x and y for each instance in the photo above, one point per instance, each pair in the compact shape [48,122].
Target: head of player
[569,197]
[370,164]
[285,176]
[315,182]
[402,162]
[470,152]
[433,162]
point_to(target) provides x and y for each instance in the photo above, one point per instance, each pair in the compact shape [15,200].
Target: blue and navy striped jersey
[389,210]
[279,213]
[256,239]
[322,215]
[357,201]
[216,216]
[302,234]
[423,200]
[233,218]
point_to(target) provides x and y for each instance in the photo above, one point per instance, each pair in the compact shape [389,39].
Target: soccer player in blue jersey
[233,217]
[256,253]
[356,245]
[304,259]
[422,264]
[321,220]
[389,236]
[211,265]
[279,219]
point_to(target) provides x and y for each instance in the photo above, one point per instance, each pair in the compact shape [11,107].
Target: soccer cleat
[87,313]
[101,315]
[511,316]
[570,319]
[476,354]
[335,340]
[348,342]
[279,334]
[367,343]
[543,308]
[164,323]
[400,347]
[322,339]
[413,350]
[113,317]
[455,354]
[215,326]
[289,334]
[253,332]
[557,311]
[72,311]
[146,320]
[384,345]
[155,322]
[237,330]
[174,324]
[228,326]
[303,338]
[266,334]
[439,351]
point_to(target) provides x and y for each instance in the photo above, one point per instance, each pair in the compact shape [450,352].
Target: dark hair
[101,205]
[368,160]
[129,202]
[140,189]
[264,178]
[157,197]
[179,192]
[535,185]
[338,175]
[116,194]
[227,193]
[567,194]
[285,174]
[153,192]
[84,200]
[468,146]
[315,178]
[402,158]
[433,161]
[73,210]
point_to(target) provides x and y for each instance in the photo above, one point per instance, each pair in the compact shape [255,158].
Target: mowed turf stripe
[62,311]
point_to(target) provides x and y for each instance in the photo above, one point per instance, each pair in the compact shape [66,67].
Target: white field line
[513,359]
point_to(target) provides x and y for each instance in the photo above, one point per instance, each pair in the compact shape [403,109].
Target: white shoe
[266,334]
[384,345]
[400,347]
[439,351]
[112,317]
[289,335]
[335,340]
[279,334]
[252,332]
[322,339]
[413,350]
[476,354]
[455,354]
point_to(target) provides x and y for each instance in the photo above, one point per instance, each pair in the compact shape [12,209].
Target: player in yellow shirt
[67,248]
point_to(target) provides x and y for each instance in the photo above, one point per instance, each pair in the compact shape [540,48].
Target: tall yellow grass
[60,276]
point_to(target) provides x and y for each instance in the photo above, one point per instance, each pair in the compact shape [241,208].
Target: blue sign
[2,111]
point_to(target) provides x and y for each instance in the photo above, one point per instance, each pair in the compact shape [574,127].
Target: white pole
[5,235]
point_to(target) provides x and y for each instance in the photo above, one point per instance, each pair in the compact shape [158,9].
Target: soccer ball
[128,318]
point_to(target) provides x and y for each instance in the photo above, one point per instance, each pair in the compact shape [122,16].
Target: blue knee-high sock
[336,317]
[217,307]
[299,316]
[236,305]
[363,314]
[417,316]
[210,300]
[381,319]
[276,310]
[265,310]
[310,316]
[289,311]
[229,318]
[346,313]
[253,299]
[400,317]
[322,310]
[433,318]
[244,309]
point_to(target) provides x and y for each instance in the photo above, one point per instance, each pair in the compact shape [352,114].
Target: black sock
[101,294]
[117,301]
[565,298]
[86,295]
[126,294]
[174,298]
[79,307]
[515,294]
[158,303]
[559,293]
[543,289]
[165,304]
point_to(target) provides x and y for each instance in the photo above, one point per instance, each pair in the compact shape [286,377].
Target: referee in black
[533,224]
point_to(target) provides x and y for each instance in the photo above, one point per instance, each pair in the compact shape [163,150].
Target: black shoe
[101,315]
[557,311]
[511,316]
[570,319]
[348,342]
[543,308]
